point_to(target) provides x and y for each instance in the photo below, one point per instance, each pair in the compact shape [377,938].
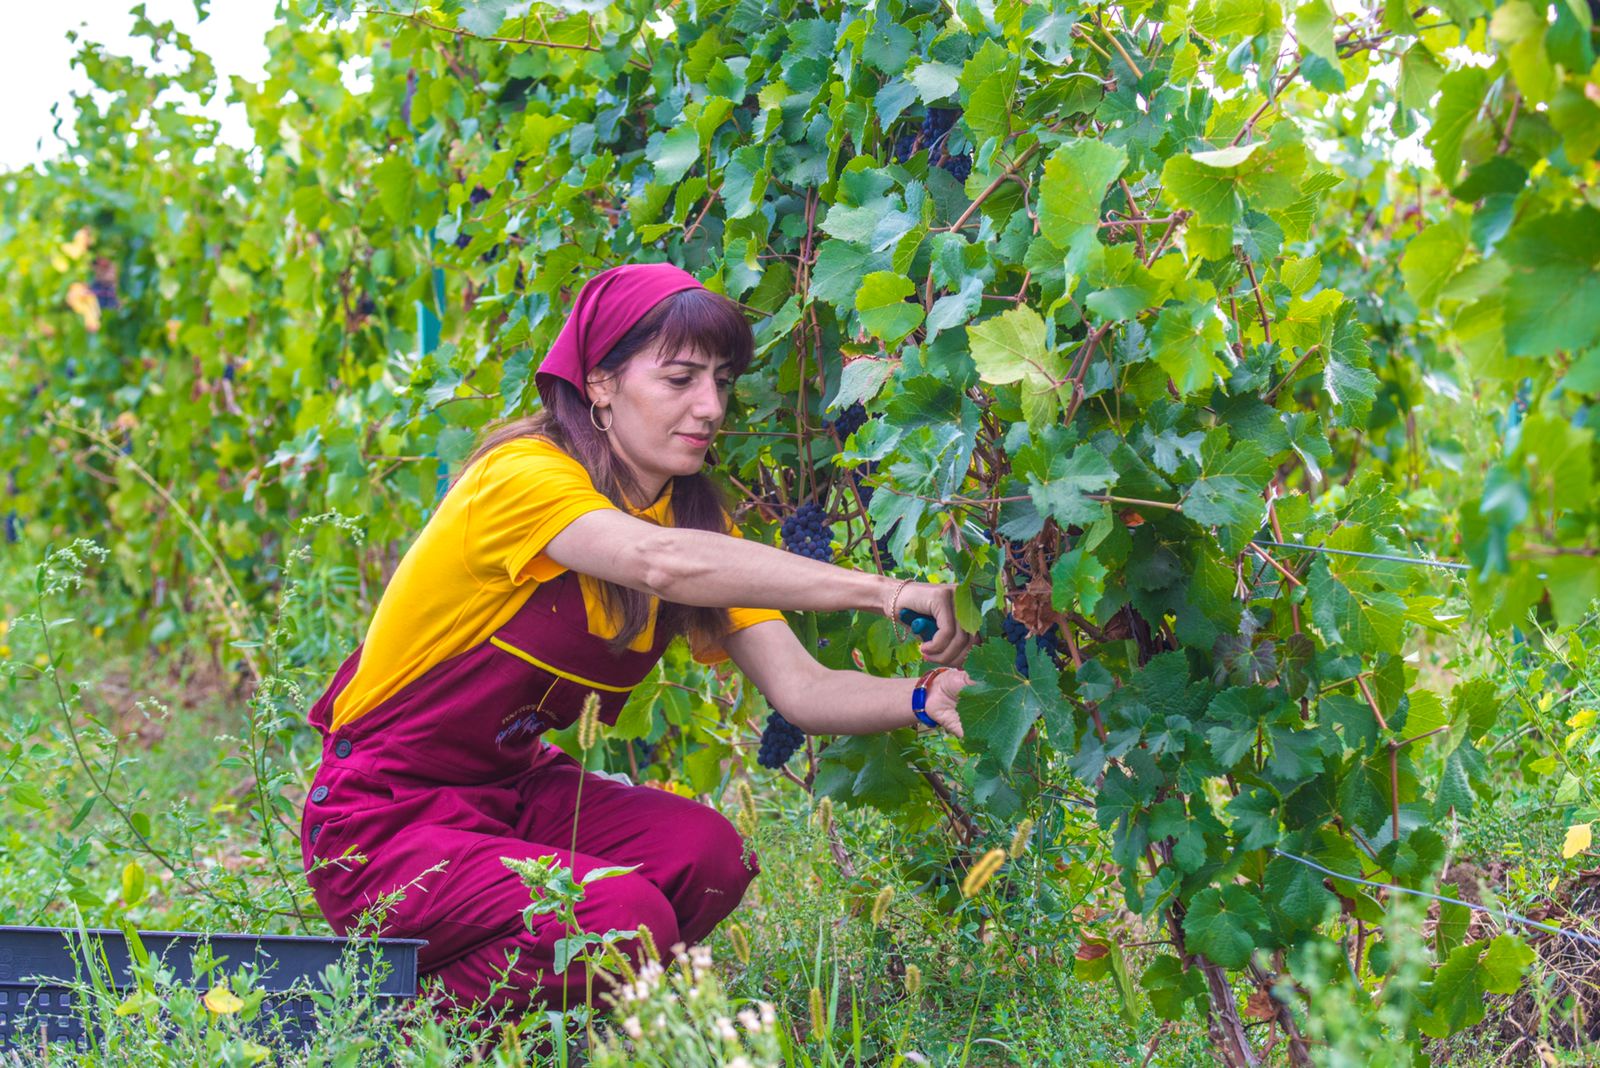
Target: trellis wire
[1419,561]
[1445,900]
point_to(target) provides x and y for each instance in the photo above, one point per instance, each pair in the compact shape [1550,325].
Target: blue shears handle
[924,627]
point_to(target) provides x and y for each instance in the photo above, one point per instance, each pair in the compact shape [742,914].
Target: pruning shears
[924,627]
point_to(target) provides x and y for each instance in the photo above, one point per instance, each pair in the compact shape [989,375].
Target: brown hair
[694,320]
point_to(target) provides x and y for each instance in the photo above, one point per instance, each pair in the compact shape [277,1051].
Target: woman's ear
[602,386]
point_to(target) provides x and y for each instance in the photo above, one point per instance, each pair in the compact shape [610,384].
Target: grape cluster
[12,526]
[105,291]
[479,194]
[889,562]
[1016,632]
[778,742]
[806,533]
[958,167]
[850,420]
[936,126]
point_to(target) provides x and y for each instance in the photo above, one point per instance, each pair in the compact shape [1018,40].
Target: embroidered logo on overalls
[525,722]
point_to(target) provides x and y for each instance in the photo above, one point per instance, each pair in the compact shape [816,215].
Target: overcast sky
[36,68]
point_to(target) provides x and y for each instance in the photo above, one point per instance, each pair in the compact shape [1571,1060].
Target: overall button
[316,829]
[342,747]
[319,794]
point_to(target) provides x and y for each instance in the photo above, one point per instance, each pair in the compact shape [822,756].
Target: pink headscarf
[608,306]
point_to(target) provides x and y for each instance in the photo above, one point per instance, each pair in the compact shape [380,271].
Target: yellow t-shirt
[479,558]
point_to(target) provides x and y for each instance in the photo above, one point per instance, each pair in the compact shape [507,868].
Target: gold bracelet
[899,632]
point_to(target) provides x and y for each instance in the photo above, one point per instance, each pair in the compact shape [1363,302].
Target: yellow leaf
[81,299]
[138,1003]
[223,1001]
[1579,837]
[133,883]
[79,244]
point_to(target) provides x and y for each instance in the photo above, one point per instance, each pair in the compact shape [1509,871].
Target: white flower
[631,1025]
[740,1062]
[769,1015]
[725,1029]
[749,1020]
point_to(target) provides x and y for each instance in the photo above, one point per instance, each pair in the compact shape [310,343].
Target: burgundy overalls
[437,783]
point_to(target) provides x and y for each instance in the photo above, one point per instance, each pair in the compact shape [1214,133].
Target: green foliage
[1186,300]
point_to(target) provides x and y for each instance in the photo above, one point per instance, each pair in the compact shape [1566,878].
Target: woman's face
[663,410]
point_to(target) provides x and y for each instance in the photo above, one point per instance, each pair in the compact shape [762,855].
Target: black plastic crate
[37,964]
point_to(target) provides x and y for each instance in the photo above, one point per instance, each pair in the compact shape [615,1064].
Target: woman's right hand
[943,693]
[949,645]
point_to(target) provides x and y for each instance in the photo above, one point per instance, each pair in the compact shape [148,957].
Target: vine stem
[1261,305]
[1294,368]
[457,31]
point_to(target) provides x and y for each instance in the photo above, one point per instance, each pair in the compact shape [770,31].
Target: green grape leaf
[1217,184]
[1061,493]
[1553,296]
[1077,581]
[1433,257]
[1188,341]
[884,310]
[1228,492]
[1173,989]
[1297,891]
[1503,964]
[1074,182]
[1225,925]
[997,710]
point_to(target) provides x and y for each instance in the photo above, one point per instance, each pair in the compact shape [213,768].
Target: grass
[141,809]
[161,837]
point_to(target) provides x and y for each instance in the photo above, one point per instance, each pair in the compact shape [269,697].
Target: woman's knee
[719,867]
[626,903]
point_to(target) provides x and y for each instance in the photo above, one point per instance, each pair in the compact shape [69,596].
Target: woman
[573,547]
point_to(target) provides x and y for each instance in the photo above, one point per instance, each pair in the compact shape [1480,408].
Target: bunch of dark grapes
[479,194]
[806,533]
[850,420]
[104,284]
[1016,633]
[463,239]
[936,125]
[889,562]
[778,742]
[858,474]
[11,527]
[905,146]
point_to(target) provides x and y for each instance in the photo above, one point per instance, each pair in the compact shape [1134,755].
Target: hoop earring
[596,422]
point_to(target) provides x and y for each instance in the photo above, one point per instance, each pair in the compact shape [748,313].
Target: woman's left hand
[943,691]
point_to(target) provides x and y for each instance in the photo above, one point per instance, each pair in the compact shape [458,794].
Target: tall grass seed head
[1019,841]
[913,979]
[824,815]
[740,943]
[647,943]
[589,722]
[981,872]
[818,1021]
[880,905]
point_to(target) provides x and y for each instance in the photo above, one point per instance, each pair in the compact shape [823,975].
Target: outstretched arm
[822,700]
[701,567]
